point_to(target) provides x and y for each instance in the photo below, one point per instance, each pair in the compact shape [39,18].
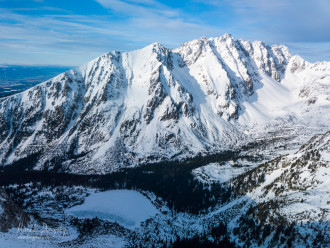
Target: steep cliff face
[157,103]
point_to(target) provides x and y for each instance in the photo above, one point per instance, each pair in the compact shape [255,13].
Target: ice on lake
[127,207]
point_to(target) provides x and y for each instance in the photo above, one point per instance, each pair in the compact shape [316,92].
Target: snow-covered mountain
[155,103]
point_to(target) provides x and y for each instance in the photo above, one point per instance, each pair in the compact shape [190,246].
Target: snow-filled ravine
[127,207]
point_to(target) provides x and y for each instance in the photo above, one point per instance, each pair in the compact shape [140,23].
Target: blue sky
[72,32]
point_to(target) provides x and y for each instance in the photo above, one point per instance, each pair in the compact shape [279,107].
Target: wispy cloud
[149,21]
[73,34]
[294,20]
[65,33]
[311,51]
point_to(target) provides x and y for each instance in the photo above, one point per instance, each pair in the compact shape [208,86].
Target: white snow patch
[215,172]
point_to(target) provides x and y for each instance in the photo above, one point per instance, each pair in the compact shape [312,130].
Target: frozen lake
[128,207]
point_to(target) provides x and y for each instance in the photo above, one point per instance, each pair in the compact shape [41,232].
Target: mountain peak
[297,63]
[156,46]
[226,36]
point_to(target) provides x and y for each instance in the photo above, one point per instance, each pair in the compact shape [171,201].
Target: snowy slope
[290,192]
[300,178]
[155,103]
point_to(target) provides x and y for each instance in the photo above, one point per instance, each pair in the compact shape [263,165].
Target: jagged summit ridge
[154,103]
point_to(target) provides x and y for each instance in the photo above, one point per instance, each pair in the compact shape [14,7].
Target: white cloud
[132,24]
[147,21]
[62,35]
